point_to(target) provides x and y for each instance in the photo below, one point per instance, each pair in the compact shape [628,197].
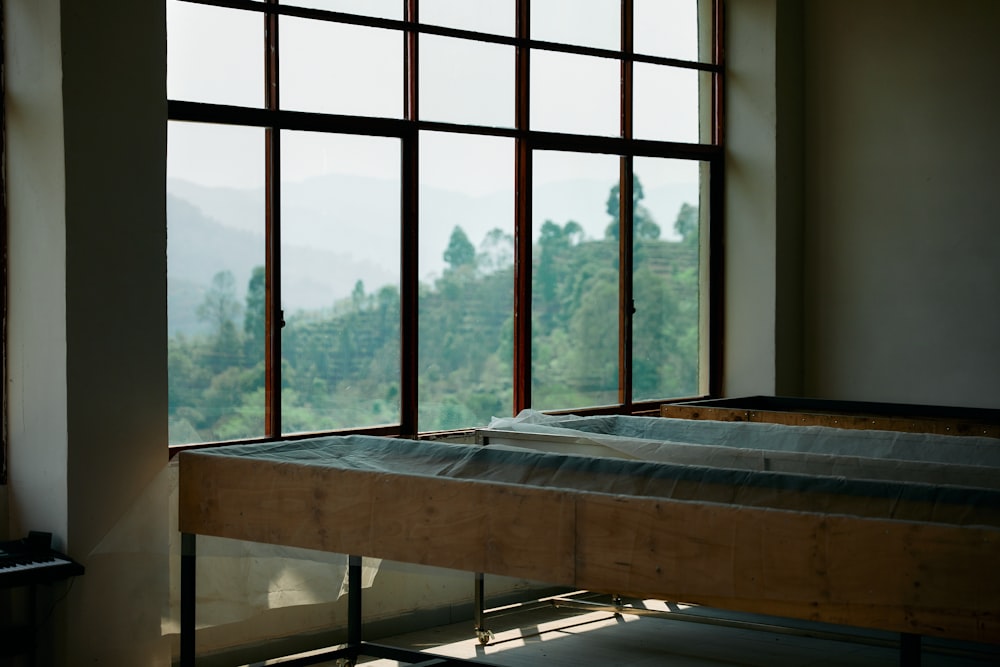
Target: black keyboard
[31,561]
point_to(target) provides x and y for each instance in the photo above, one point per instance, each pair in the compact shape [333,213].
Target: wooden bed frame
[916,578]
[941,420]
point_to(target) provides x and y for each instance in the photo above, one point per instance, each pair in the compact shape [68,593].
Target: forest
[340,365]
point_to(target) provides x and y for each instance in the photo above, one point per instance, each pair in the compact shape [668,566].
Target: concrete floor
[560,637]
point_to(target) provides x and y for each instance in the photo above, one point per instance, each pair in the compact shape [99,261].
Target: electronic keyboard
[31,560]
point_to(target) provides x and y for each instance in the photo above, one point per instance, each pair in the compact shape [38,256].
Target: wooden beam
[904,576]
[921,578]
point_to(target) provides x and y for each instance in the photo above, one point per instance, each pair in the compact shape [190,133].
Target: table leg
[187,599]
[354,601]
[479,609]
[909,650]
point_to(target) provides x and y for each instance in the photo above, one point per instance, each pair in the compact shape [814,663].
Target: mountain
[199,246]
[338,229]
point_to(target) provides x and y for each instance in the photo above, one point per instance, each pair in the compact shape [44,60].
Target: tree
[254,315]
[552,244]
[220,309]
[496,252]
[686,224]
[358,295]
[643,224]
[460,251]
[573,232]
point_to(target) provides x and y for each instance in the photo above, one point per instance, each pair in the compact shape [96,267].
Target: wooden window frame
[4,428]
[273,119]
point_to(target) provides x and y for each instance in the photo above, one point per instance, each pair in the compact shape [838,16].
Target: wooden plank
[907,577]
[926,578]
[502,529]
[790,416]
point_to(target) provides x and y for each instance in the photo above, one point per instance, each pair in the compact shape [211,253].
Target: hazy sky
[215,55]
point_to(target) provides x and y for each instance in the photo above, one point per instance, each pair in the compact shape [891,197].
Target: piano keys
[31,560]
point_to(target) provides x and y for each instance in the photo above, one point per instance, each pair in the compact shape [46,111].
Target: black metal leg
[909,650]
[479,603]
[33,624]
[187,599]
[354,600]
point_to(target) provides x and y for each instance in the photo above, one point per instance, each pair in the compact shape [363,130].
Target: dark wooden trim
[718,77]
[390,127]
[409,270]
[407,128]
[861,415]
[4,429]
[626,300]
[409,297]
[716,278]
[414,26]
[273,317]
[626,218]
[522,218]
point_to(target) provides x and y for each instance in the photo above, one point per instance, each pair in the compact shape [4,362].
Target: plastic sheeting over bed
[634,477]
[808,450]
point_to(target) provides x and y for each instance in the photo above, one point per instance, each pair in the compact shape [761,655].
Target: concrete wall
[902,236]
[863,223]
[763,198]
[87,380]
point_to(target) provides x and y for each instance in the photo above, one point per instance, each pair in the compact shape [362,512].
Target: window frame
[273,119]
[4,428]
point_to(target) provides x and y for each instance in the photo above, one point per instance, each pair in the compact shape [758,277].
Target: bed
[794,411]
[912,557]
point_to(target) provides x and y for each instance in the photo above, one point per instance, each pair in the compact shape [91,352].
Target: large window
[406,216]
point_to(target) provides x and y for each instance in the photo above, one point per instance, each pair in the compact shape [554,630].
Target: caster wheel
[484,636]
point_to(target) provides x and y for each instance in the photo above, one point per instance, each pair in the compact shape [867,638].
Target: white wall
[763,198]
[36,344]
[902,254]
[862,215]
[86,109]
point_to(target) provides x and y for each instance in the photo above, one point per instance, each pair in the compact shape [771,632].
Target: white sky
[216,55]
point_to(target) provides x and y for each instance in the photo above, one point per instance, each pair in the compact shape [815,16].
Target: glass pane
[666,103]
[340,203]
[383,9]
[595,23]
[574,291]
[215,225]
[466,82]
[576,94]
[343,69]
[666,28]
[665,327]
[214,54]
[466,259]
[490,16]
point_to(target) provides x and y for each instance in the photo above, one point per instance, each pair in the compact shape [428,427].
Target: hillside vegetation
[340,364]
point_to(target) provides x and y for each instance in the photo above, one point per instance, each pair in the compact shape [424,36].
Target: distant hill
[338,229]
[199,246]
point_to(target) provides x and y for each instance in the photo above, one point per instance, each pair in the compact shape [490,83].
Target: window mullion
[522,216]
[625,233]
[410,237]
[718,81]
[273,317]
